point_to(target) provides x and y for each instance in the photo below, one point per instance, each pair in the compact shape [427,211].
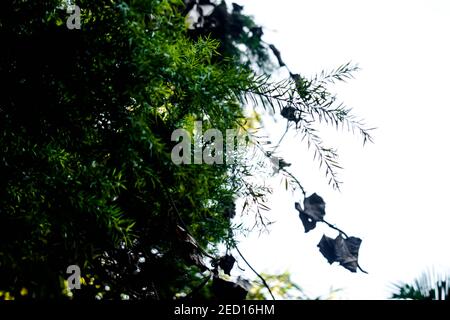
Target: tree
[87,117]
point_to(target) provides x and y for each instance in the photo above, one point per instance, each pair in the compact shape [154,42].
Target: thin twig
[259,276]
[199,287]
[359,267]
[296,180]
[334,227]
[281,139]
[155,291]
[269,155]
[185,225]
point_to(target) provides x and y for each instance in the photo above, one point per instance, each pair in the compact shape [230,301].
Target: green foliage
[86,122]
[240,38]
[283,288]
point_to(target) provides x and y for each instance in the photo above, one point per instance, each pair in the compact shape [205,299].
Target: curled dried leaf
[314,211]
[344,251]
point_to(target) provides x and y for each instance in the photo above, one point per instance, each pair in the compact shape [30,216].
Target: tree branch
[259,276]
[200,286]
[184,224]
[296,181]
[334,227]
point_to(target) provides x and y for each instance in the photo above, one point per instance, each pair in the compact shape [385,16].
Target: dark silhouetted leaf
[326,247]
[227,290]
[344,251]
[227,263]
[314,211]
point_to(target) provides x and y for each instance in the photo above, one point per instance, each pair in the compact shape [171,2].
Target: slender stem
[259,276]
[334,227]
[200,286]
[155,291]
[296,180]
[359,267]
[184,224]
[281,139]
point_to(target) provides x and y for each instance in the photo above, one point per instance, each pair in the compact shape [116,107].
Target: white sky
[394,192]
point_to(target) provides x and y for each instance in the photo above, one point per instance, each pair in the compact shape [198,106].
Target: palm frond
[428,287]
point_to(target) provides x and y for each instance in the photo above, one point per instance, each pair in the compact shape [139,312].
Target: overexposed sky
[395,190]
